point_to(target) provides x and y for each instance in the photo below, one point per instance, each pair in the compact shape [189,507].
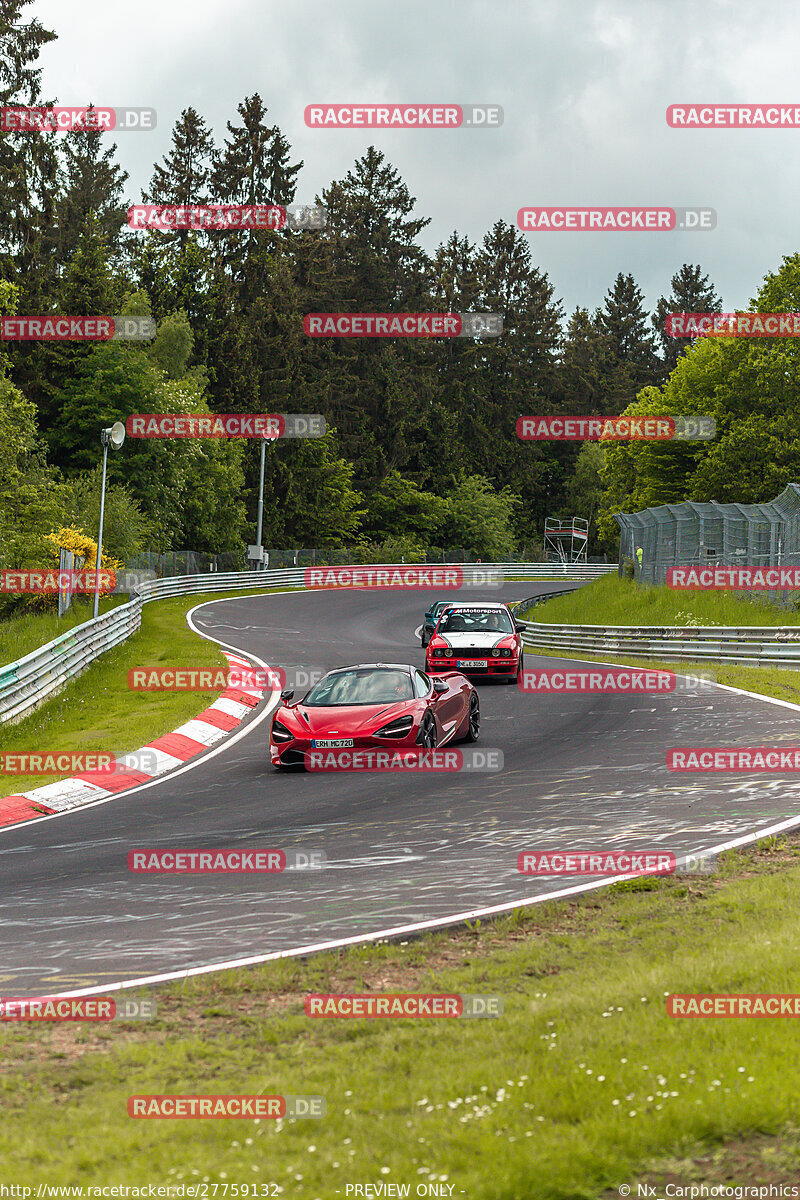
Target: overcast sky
[584,85]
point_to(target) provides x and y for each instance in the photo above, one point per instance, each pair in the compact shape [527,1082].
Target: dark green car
[431,618]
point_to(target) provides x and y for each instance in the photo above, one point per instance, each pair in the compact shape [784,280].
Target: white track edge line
[189,766]
[438,923]
[417,927]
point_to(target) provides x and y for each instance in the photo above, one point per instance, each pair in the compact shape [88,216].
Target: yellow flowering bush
[84,547]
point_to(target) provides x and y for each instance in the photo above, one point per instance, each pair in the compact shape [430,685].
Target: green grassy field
[627,604]
[98,713]
[21,634]
[583,1084]
[615,601]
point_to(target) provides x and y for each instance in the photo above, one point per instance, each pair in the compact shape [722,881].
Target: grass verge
[98,713]
[766,681]
[614,601]
[583,1084]
[21,634]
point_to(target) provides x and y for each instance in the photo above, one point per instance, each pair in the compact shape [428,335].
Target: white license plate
[472,662]
[330,743]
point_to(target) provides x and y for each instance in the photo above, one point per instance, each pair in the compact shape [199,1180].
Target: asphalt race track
[584,772]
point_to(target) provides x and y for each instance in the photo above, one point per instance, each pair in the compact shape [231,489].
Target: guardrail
[39,675]
[765,645]
[532,601]
[31,680]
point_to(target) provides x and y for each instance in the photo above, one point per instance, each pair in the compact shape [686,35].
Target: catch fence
[711,534]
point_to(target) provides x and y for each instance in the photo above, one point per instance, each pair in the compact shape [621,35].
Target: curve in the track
[583,771]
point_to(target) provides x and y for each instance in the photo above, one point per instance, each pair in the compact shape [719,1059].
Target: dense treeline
[421,448]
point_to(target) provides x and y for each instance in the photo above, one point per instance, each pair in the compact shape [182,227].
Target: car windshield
[360,686]
[476,620]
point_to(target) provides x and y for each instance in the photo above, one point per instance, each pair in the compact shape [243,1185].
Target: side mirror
[287,693]
[520,626]
[439,686]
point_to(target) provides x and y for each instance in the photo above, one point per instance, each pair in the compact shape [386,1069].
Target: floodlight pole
[111,436]
[264,439]
[261,496]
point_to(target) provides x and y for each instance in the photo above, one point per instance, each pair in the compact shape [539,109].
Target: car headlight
[396,729]
[439,653]
[496,653]
[280,733]
[506,653]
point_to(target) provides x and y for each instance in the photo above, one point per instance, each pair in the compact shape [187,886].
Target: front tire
[473,719]
[429,735]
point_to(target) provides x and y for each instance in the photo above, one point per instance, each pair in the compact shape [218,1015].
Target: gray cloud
[584,85]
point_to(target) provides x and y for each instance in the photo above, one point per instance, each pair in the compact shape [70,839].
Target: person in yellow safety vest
[639,557]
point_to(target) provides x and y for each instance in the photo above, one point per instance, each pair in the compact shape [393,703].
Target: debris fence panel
[710,534]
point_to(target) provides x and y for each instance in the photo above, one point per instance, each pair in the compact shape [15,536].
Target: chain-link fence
[194,562]
[187,562]
[711,534]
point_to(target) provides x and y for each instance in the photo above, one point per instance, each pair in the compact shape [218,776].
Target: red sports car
[478,639]
[371,706]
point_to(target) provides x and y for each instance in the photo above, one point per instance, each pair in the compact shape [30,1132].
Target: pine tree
[580,369]
[691,292]
[253,167]
[28,168]
[630,359]
[183,176]
[175,268]
[92,188]
[517,375]
[374,236]
[87,289]
[369,260]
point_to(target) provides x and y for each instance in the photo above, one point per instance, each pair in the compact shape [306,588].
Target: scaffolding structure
[707,534]
[566,541]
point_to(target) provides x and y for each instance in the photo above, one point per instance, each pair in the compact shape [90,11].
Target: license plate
[330,743]
[472,662]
